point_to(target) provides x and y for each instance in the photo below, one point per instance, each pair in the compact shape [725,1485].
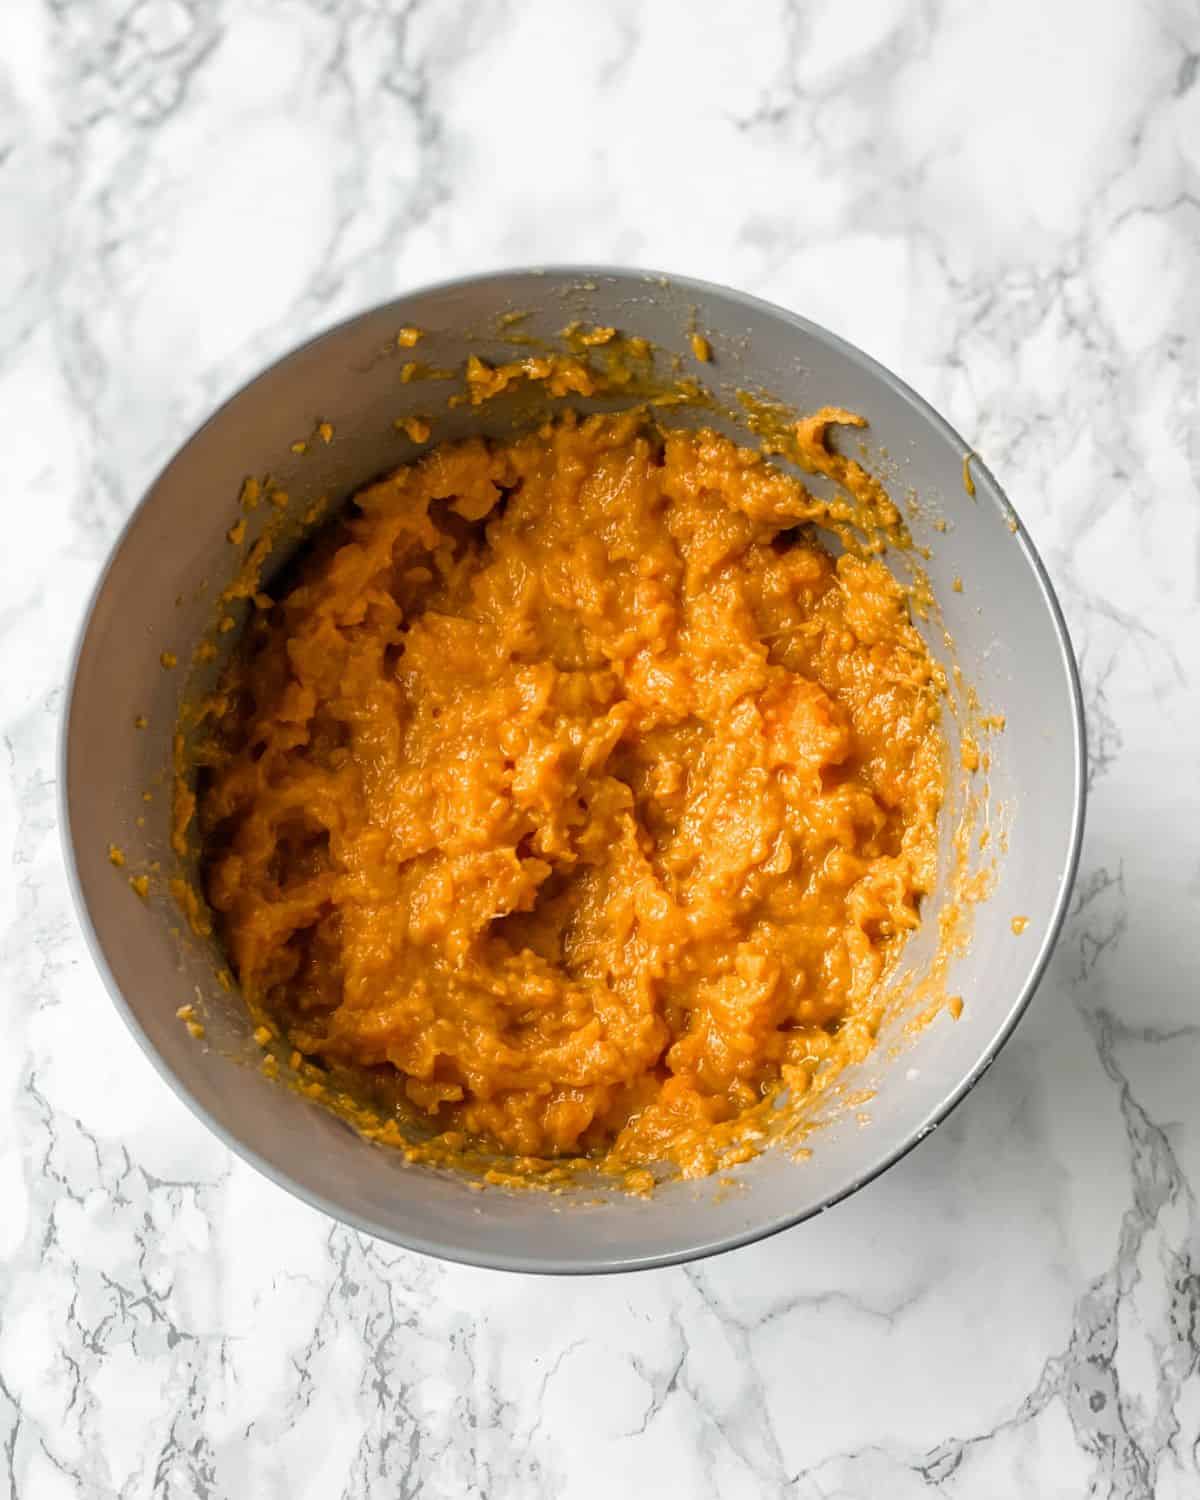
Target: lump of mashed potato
[574,781]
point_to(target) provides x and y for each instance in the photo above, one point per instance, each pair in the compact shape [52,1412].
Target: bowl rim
[699,289]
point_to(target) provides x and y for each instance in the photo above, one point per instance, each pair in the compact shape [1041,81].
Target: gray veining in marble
[999,200]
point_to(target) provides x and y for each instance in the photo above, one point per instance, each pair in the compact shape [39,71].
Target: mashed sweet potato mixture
[574,781]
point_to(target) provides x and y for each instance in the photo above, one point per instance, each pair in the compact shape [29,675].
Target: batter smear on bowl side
[573,780]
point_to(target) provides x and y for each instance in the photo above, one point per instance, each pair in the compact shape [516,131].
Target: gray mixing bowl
[158,593]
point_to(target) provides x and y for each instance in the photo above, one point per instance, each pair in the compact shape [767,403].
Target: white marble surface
[1001,200]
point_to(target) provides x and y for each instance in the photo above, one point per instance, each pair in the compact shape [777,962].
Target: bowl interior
[158,594]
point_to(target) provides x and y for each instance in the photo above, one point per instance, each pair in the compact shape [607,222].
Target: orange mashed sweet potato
[573,785]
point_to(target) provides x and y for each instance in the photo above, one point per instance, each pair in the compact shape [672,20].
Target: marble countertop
[1001,201]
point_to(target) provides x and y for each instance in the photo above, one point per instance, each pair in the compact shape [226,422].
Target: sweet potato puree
[574,781]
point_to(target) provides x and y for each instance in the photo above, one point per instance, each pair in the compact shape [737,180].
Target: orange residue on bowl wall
[416,429]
